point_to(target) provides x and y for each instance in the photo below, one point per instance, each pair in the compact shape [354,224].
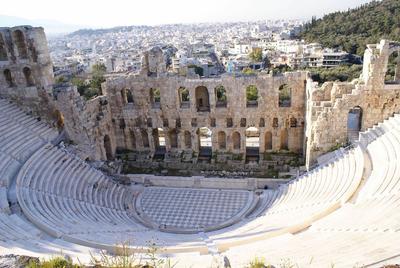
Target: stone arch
[220,96]
[236,140]
[145,138]
[28,76]
[202,99]
[285,95]
[129,96]
[173,138]
[184,97]
[284,140]
[188,139]
[108,148]
[19,40]
[59,119]
[159,138]
[155,97]
[268,141]
[354,123]
[252,135]
[251,96]
[3,50]
[221,140]
[8,77]
[132,137]
[392,75]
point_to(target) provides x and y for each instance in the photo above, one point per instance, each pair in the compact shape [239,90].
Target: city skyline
[89,14]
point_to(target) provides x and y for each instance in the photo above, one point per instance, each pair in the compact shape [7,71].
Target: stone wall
[329,105]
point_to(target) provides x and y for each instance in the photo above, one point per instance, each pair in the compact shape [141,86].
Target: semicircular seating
[70,205]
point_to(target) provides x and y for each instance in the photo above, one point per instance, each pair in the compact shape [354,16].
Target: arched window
[155,97]
[220,96]
[268,141]
[28,77]
[188,140]
[252,144]
[133,139]
[145,139]
[129,96]
[173,138]
[159,138]
[285,96]
[108,148]
[236,140]
[284,140]
[3,50]
[392,75]
[8,78]
[222,140]
[19,41]
[202,99]
[251,96]
[184,97]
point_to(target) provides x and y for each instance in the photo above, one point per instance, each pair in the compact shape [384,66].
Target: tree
[99,69]
[256,54]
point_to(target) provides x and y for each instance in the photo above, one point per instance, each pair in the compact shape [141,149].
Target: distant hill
[50,26]
[355,28]
[89,32]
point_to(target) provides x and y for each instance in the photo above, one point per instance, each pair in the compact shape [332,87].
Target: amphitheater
[344,211]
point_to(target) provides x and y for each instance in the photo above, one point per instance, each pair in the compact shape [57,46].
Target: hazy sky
[152,12]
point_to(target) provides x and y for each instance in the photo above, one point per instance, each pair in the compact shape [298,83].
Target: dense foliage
[340,73]
[91,88]
[353,29]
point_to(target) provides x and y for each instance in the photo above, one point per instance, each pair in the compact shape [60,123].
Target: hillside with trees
[353,29]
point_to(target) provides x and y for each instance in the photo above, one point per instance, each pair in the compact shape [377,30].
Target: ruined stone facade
[155,115]
[26,68]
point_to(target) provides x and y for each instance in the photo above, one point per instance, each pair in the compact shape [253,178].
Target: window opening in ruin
[205,143]
[221,140]
[354,122]
[3,51]
[8,78]
[229,122]
[188,140]
[285,93]
[220,94]
[275,123]
[173,138]
[19,41]
[202,99]
[251,96]
[262,122]
[28,77]
[145,139]
[392,75]
[252,144]
[108,148]
[236,140]
[155,96]
[184,97]
[159,143]
[268,141]
[284,140]
[129,96]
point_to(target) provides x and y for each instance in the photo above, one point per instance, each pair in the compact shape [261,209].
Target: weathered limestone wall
[26,70]
[327,114]
[134,117]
